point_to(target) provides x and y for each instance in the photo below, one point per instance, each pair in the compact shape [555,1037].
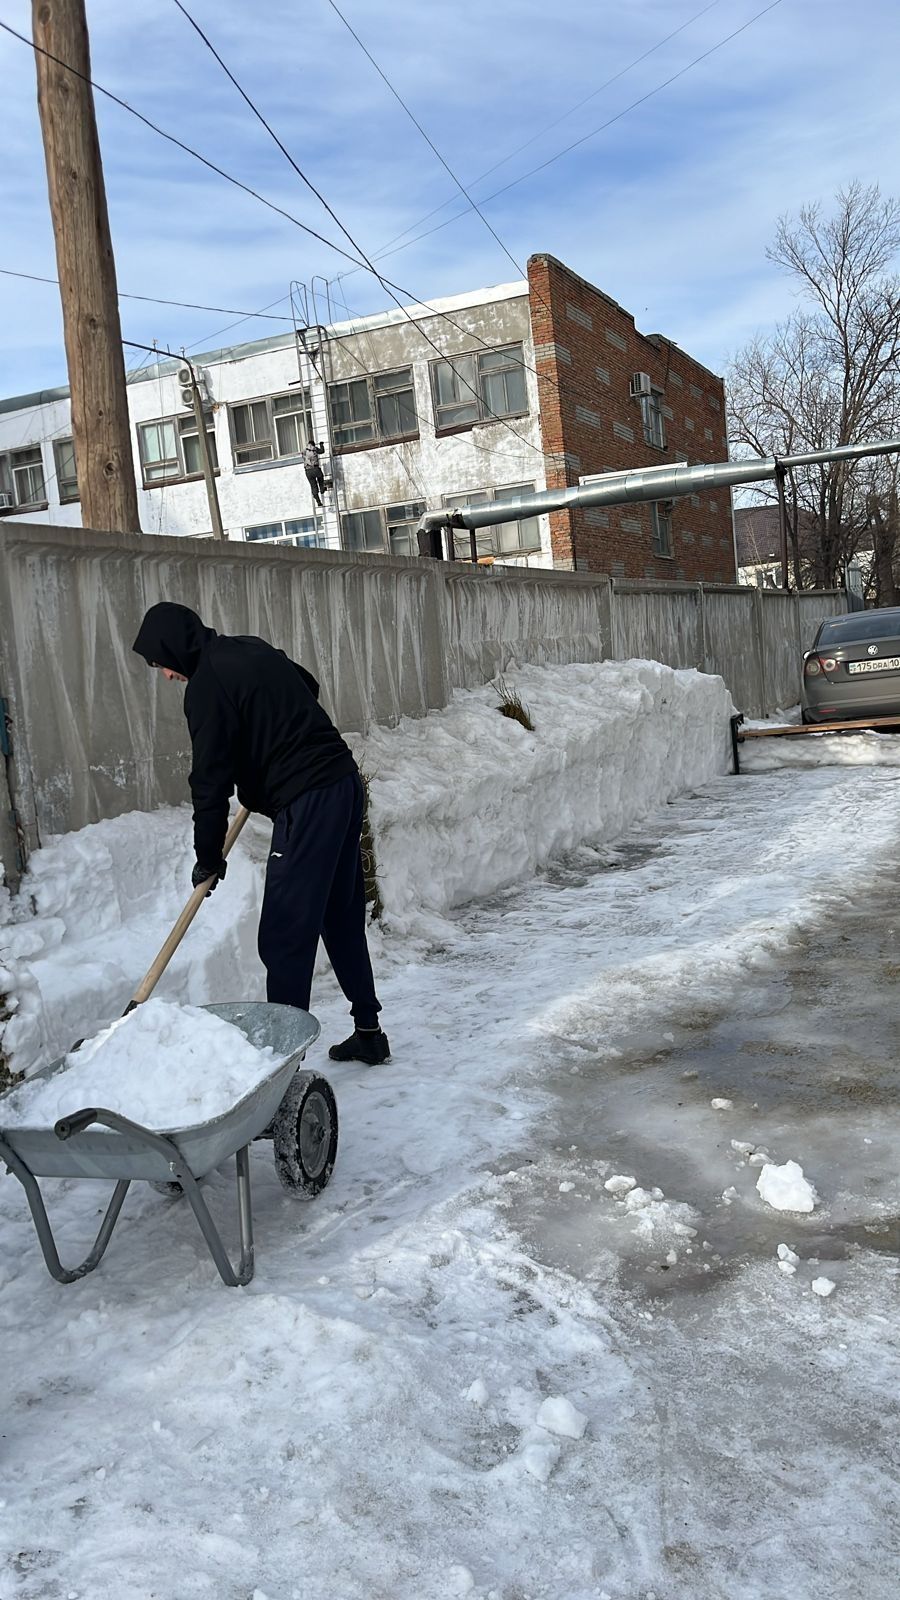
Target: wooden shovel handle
[148,983]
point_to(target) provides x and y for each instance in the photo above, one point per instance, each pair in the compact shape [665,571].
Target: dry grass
[367,846]
[511,705]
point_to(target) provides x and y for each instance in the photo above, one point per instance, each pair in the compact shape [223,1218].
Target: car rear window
[860,625]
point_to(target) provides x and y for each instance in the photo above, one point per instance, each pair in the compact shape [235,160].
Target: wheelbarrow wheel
[305,1135]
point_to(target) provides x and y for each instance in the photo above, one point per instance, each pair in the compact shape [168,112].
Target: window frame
[408,515]
[365,549]
[652,413]
[411,513]
[299,532]
[10,466]
[375,391]
[488,540]
[301,408]
[482,373]
[659,521]
[71,496]
[183,425]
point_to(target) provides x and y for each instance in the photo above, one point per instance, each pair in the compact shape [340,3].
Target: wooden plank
[817,727]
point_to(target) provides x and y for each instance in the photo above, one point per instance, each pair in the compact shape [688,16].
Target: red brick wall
[587,348]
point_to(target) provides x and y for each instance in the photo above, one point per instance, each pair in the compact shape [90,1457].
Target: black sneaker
[371,1047]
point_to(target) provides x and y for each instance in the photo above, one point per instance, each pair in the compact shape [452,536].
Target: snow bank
[466,802]
[164,1065]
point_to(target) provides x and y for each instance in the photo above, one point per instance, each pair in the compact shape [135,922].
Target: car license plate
[885,664]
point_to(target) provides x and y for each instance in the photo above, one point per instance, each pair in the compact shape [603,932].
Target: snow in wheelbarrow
[295,1109]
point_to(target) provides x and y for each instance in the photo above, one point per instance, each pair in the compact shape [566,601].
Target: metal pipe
[780,471]
[647,483]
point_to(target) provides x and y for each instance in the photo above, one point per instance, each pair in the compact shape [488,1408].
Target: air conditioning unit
[6,501]
[641,384]
[187,391]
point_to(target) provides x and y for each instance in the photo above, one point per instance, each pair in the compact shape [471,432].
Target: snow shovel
[151,978]
[153,974]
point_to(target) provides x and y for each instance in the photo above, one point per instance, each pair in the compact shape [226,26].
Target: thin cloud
[669,211]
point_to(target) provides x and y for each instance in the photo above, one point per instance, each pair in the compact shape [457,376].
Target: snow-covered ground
[478,1365]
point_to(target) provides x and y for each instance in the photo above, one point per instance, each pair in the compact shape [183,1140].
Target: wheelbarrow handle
[76,1123]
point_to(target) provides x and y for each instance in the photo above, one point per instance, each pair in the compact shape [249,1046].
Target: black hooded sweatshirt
[254,720]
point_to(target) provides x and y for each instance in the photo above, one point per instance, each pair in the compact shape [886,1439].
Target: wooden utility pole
[87,274]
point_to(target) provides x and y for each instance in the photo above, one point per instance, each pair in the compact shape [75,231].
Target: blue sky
[669,210]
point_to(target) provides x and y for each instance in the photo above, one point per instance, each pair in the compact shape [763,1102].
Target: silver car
[853,669]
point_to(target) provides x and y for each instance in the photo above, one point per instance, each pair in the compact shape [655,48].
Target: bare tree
[829,375]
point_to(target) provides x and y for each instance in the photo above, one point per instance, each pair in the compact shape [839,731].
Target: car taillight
[816,664]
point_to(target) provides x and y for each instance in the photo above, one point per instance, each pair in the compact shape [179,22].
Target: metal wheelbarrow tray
[295,1109]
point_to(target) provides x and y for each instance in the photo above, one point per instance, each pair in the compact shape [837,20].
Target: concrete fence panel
[732,645]
[495,621]
[657,622]
[95,734]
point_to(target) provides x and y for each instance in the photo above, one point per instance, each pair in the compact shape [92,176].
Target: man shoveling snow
[256,726]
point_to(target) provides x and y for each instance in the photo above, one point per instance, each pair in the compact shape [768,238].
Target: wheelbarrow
[295,1109]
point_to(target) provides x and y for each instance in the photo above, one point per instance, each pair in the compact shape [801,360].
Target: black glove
[201,873]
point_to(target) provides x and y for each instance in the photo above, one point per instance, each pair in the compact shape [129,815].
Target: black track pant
[315,890]
[315,477]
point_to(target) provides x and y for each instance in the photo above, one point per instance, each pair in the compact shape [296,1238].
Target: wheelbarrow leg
[42,1222]
[234,1279]
[75,1124]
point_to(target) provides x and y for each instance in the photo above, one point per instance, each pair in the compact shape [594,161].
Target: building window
[477,388]
[374,409]
[275,428]
[351,413]
[170,449]
[363,530]
[392,530]
[299,531]
[653,419]
[66,475]
[22,478]
[402,522]
[661,524]
[518,537]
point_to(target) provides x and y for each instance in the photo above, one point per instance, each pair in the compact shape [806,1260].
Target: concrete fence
[92,733]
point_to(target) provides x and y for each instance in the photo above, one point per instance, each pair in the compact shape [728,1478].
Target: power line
[573,389]
[607,83]
[180,144]
[154,300]
[366,264]
[425,135]
[642,100]
[421,492]
[344,230]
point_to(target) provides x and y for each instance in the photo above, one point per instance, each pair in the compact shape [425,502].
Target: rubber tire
[309,1098]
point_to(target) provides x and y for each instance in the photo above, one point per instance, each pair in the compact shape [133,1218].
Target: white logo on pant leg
[276,855]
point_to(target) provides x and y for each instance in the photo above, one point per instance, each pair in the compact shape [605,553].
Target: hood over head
[173,636]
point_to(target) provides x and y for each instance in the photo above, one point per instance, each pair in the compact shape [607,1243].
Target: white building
[404,431]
